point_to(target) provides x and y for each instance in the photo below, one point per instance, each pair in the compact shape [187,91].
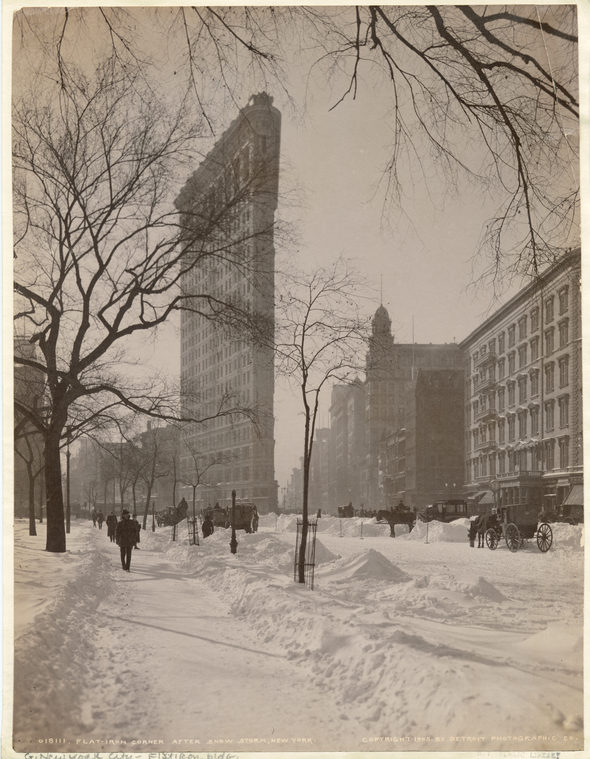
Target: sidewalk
[172,663]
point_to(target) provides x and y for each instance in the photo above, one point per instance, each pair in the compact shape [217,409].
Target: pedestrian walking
[126,538]
[208,526]
[94,515]
[112,526]
[137,530]
[100,519]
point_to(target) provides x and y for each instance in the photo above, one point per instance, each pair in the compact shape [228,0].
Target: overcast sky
[424,261]
[420,261]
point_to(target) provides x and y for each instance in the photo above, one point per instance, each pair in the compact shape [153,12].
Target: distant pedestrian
[208,526]
[472,532]
[111,526]
[126,538]
[100,519]
[94,516]
[137,530]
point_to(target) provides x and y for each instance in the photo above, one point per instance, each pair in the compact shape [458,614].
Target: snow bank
[567,536]
[542,646]
[440,532]
[48,651]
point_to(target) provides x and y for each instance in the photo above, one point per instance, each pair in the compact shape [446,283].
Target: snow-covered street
[403,644]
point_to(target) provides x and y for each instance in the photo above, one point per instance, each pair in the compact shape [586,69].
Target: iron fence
[309,565]
[192,524]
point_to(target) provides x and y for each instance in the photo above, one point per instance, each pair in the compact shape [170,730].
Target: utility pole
[234,543]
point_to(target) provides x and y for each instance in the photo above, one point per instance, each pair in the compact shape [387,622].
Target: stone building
[523,411]
[319,470]
[347,444]
[391,370]
[434,450]
[219,367]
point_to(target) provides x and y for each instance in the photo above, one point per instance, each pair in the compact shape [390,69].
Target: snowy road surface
[403,644]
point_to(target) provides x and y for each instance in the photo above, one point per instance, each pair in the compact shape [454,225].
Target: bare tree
[490,94]
[27,446]
[321,338]
[197,464]
[101,250]
[486,94]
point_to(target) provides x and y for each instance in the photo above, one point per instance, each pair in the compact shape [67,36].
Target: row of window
[538,458]
[527,420]
[526,322]
[496,399]
[525,353]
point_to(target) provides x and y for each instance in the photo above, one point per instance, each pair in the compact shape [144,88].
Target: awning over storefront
[483,497]
[487,499]
[575,497]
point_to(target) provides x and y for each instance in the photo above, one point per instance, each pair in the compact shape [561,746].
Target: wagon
[517,524]
[245,515]
[444,511]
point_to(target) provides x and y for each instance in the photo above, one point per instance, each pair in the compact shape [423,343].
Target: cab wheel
[512,536]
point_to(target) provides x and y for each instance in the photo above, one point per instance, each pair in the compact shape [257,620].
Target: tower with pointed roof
[380,400]
[391,372]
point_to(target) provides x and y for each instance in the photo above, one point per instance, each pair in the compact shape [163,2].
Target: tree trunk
[32,526]
[56,529]
[42,497]
[306,463]
[147,506]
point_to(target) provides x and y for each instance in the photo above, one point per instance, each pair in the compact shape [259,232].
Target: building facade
[347,444]
[391,371]
[222,368]
[523,410]
[434,450]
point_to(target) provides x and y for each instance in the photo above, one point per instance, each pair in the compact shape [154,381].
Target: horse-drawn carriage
[516,524]
[172,515]
[346,512]
[444,511]
[568,513]
[246,516]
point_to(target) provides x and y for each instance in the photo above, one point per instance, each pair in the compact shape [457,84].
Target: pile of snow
[470,586]
[440,532]
[567,535]
[367,565]
[322,556]
[542,645]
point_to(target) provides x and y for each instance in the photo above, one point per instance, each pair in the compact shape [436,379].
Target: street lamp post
[234,543]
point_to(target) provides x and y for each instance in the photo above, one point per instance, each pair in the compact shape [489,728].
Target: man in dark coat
[208,527]
[126,538]
[111,526]
[100,519]
[137,530]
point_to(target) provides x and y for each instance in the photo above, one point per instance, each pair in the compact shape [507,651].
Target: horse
[396,516]
[345,512]
[482,524]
